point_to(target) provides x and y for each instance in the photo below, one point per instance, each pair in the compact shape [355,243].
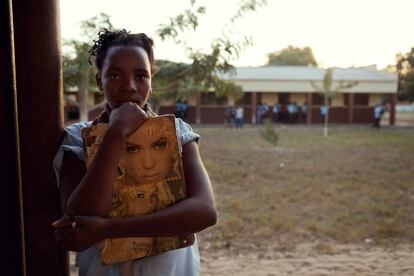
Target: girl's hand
[127,118]
[81,234]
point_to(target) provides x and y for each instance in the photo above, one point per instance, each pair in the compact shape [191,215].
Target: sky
[341,33]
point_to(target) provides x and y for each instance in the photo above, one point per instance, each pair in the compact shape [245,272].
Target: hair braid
[107,39]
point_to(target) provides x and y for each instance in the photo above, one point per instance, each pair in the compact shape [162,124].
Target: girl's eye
[141,77]
[154,196]
[133,148]
[140,195]
[114,76]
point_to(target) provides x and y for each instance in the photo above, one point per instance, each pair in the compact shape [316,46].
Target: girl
[125,65]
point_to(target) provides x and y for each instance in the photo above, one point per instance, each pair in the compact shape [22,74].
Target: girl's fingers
[60,239]
[62,233]
[62,222]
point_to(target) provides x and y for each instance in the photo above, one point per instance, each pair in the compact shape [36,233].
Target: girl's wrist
[107,228]
[117,131]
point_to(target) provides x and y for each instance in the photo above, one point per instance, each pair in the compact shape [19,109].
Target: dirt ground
[306,261]
[316,199]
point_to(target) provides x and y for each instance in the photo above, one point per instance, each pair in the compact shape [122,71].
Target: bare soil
[310,206]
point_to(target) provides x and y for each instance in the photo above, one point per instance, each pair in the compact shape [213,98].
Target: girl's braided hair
[122,37]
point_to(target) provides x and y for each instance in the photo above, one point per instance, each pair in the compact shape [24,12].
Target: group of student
[290,112]
[293,113]
[234,116]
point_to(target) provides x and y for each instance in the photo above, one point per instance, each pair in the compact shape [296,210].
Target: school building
[284,84]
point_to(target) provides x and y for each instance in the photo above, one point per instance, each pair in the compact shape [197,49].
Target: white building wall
[270,98]
[298,98]
[305,86]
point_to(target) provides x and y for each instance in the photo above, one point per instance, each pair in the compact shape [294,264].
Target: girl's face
[150,160]
[125,76]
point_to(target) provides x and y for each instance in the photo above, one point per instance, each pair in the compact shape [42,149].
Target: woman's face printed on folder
[150,159]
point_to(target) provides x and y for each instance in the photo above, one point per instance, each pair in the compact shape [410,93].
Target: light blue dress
[179,262]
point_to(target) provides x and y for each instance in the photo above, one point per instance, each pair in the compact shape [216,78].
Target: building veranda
[293,84]
[285,85]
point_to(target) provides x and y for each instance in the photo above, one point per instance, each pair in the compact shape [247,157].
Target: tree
[269,134]
[326,88]
[173,80]
[77,72]
[178,80]
[292,56]
[405,69]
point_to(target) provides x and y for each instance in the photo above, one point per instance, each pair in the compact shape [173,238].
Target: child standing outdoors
[125,65]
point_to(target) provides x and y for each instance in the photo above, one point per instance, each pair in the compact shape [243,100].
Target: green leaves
[248,6]
[91,27]
[327,87]
[75,60]
[188,20]
[292,56]
[269,134]
[178,80]
[173,80]
[405,69]
[327,80]
[407,91]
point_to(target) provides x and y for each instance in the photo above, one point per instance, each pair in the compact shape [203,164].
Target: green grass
[357,184]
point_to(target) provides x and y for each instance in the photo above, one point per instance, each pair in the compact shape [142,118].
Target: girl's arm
[190,215]
[89,192]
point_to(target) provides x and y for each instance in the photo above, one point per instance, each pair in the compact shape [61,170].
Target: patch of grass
[356,185]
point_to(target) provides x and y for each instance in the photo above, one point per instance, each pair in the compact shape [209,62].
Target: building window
[283,98]
[245,100]
[210,98]
[346,99]
[317,99]
[361,99]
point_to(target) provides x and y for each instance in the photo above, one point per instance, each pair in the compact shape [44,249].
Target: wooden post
[254,105]
[392,108]
[40,124]
[351,107]
[310,106]
[12,234]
